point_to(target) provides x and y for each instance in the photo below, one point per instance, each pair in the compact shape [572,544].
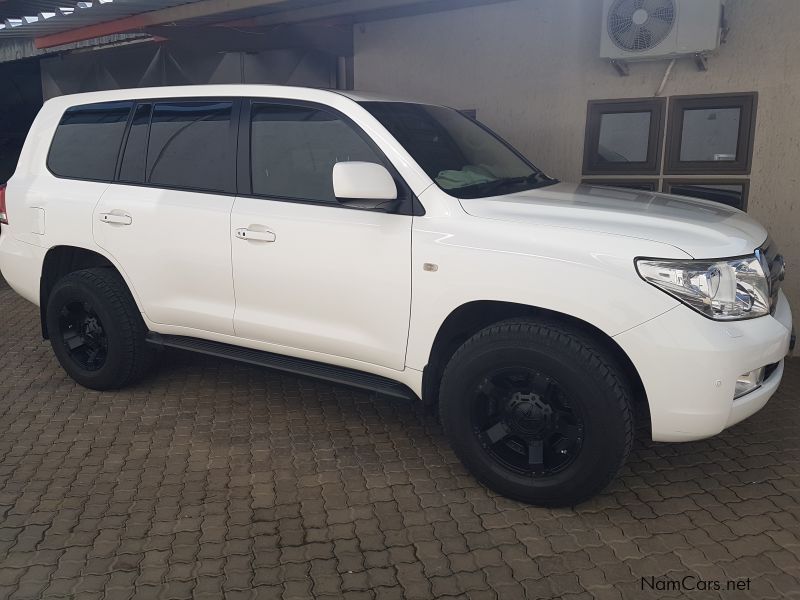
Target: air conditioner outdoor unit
[653,29]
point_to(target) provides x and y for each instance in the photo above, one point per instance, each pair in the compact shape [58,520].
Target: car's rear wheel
[96,330]
[537,411]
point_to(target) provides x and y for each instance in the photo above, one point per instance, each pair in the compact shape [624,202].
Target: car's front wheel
[537,411]
[96,330]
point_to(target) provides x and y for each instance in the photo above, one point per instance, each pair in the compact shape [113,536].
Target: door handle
[256,236]
[116,218]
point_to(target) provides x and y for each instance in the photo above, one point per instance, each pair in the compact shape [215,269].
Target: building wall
[530,66]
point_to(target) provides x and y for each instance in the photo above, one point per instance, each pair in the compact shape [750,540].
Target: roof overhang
[97,19]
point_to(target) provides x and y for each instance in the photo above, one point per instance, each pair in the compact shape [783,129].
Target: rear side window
[191,146]
[87,140]
[294,148]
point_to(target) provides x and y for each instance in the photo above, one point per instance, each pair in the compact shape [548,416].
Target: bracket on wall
[701,61]
[621,67]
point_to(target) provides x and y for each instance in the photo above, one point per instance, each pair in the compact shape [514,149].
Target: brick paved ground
[215,479]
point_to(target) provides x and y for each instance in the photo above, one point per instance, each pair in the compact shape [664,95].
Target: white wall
[530,66]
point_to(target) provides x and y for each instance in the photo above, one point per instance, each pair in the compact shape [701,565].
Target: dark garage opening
[20,100]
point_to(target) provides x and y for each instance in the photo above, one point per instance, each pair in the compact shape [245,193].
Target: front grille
[774,267]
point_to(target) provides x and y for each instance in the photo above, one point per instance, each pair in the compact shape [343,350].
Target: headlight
[725,290]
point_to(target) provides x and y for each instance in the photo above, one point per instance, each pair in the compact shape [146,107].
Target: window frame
[232,141]
[746,102]
[653,185]
[594,114]
[123,141]
[409,204]
[668,183]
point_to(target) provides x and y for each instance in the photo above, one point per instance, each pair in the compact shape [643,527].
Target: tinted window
[191,147]
[86,142]
[133,159]
[294,149]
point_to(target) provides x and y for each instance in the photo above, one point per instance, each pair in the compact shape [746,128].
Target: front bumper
[689,366]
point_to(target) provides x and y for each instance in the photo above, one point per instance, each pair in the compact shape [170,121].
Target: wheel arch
[469,318]
[63,260]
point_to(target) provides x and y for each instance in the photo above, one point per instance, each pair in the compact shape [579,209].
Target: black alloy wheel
[526,422]
[83,335]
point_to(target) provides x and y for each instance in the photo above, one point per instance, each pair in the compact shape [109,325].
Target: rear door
[166,220]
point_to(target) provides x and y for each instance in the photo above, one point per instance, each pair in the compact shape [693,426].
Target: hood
[701,228]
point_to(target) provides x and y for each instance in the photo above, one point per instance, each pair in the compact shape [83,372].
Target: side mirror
[363,185]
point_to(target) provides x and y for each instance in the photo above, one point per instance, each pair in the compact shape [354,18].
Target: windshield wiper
[489,188]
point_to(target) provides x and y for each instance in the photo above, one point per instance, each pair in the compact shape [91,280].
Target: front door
[310,274]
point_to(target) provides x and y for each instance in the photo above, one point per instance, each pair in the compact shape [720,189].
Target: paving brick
[213,479]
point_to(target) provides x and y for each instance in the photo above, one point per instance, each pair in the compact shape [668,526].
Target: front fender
[586,275]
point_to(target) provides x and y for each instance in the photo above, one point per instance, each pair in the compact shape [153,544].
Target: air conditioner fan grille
[639,25]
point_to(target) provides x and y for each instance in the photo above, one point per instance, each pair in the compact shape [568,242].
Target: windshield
[463,157]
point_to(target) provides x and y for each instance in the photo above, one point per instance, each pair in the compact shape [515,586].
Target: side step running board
[342,375]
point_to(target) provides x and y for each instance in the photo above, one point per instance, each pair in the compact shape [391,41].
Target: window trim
[591,139]
[409,203]
[746,102]
[668,183]
[624,183]
[123,141]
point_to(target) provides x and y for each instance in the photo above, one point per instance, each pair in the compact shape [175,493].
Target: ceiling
[10,9]
[42,17]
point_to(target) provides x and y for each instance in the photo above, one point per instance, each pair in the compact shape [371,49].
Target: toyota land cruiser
[398,247]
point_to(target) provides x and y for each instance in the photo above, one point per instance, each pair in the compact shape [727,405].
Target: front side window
[87,140]
[190,146]
[293,149]
[464,159]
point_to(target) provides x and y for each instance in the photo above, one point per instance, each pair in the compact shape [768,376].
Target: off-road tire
[128,357]
[584,369]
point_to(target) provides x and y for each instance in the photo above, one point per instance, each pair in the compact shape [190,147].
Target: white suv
[398,247]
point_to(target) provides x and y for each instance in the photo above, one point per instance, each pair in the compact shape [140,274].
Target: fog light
[747,382]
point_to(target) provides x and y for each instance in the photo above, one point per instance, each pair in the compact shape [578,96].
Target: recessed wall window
[707,137]
[710,134]
[645,185]
[731,192]
[623,137]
